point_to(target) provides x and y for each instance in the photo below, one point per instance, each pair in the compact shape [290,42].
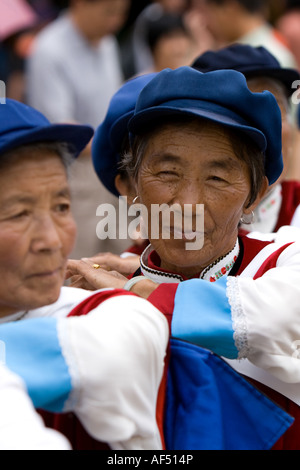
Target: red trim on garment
[270,262]
[251,248]
[290,201]
[163,298]
[96,299]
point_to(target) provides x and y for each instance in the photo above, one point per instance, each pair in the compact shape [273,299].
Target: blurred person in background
[170,42]
[246,22]
[289,26]
[72,72]
[191,17]
[18,25]
[142,55]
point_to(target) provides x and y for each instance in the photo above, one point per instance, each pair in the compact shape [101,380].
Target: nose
[190,192]
[46,235]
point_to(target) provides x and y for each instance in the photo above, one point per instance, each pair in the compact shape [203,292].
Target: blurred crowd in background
[151,34]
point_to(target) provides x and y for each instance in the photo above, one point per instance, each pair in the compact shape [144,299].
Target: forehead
[110,7]
[198,134]
[31,170]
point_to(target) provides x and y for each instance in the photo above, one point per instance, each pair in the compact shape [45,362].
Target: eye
[21,215]
[218,179]
[168,173]
[63,208]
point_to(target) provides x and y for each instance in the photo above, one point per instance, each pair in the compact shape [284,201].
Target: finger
[82,284]
[93,263]
[89,270]
[72,267]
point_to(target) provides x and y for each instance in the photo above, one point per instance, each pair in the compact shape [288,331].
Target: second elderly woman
[206,139]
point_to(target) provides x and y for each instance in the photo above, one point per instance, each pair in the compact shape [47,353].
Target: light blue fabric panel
[32,351]
[202,315]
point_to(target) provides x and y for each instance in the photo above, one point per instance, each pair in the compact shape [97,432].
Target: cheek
[13,249]
[154,191]
[226,207]
[68,231]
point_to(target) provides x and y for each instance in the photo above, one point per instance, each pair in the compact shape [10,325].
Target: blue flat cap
[251,61]
[21,124]
[222,97]
[105,148]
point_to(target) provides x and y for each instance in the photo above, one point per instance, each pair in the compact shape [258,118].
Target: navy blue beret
[251,61]
[105,147]
[21,124]
[222,97]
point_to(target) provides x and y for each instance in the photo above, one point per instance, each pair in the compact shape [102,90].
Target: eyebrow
[165,158]
[222,163]
[26,199]
[226,163]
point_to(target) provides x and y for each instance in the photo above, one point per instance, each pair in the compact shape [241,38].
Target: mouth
[178,234]
[46,274]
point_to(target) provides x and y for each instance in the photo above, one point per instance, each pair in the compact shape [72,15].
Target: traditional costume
[245,305]
[77,365]
[237,308]
[21,428]
[105,367]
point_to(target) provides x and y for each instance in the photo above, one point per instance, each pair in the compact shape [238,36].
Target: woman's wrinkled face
[37,231]
[194,164]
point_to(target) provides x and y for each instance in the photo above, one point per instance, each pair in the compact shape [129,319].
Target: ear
[126,187]
[263,191]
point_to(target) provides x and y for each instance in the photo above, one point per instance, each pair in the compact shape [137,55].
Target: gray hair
[62,149]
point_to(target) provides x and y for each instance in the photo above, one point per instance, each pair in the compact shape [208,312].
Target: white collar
[267,212]
[212,273]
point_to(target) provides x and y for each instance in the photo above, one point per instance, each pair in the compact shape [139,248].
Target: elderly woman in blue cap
[65,364]
[206,140]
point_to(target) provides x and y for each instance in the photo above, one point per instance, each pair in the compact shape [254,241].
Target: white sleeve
[296,218]
[116,357]
[266,315]
[21,428]
[69,298]
[105,366]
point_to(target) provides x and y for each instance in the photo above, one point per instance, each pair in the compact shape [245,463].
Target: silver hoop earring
[248,219]
[135,199]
